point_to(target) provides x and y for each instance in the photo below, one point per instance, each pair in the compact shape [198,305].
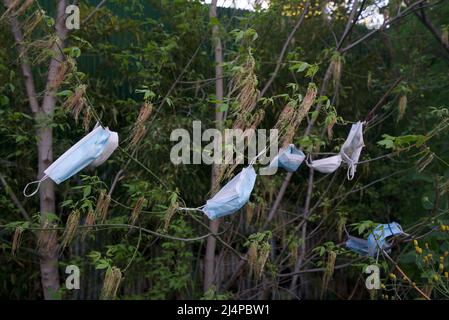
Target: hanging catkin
[76,102]
[137,210]
[245,83]
[63,69]
[32,21]
[336,66]
[16,240]
[300,114]
[102,207]
[139,130]
[402,106]
[88,223]
[111,283]
[70,228]
[329,271]
[264,253]
[444,36]
[47,236]
[169,215]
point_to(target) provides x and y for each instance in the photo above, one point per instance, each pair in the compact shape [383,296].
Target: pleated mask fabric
[233,196]
[377,240]
[352,148]
[326,165]
[95,147]
[289,158]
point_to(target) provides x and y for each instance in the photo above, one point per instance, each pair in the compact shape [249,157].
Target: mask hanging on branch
[233,196]
[377,240]
[357,245]
[92,150]
[352,148]
[289,158]
[326,165]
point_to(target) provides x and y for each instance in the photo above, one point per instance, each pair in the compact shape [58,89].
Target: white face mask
[93,149]
[326,165]
[352,148]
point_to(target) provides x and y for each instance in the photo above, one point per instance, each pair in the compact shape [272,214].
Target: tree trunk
[43,115]
[209,259]
[49,255]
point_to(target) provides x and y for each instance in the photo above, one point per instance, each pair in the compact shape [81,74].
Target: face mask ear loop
[253,161]
[351,170]
[346,231]
[308,162]
[192,209]
[37,188]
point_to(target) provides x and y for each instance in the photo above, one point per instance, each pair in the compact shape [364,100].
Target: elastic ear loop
[192,209]
[308,161]
[37,188]
[253,161]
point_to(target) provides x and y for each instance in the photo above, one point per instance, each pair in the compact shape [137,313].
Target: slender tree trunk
[43,116]
[209,259]
[49,256]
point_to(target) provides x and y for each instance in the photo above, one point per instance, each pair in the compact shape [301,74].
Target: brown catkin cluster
[445,36]
[102,207]
[246,85]
[88,223]
[16,240]
[137,210]
[139,130]
[111,283]
[297,116]
[169,215]
[32,21]
[258,253]
[47,236]
[76,102]
[70,228]
[402,106]
[329,271]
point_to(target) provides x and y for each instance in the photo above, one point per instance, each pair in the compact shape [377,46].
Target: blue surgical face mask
[289,158]
[377,240]
[93,150]
[357,245]
[233,196]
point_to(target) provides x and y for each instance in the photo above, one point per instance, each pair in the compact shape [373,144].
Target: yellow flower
[441,267]
[415,243]
[418,250]
[392,276]
[446,274]
[383,286]
[435,277]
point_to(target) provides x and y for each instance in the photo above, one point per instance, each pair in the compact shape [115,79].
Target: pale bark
[209,259]
[43,116]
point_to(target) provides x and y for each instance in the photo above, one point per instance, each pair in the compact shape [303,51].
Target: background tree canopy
[144,68]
